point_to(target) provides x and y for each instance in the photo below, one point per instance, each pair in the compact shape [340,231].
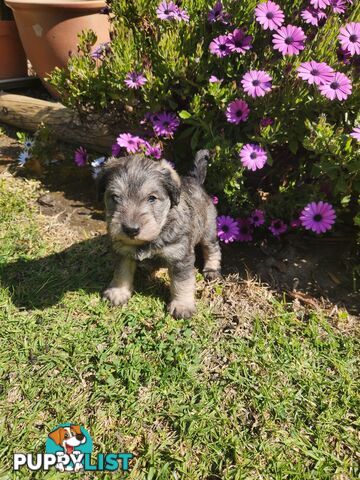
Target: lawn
[255,391]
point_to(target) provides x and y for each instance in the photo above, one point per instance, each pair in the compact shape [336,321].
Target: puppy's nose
[131,230]
[79,436]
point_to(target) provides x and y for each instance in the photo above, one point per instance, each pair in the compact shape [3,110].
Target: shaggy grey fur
[153,213]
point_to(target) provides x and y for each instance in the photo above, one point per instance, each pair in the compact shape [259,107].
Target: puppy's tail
[200,166]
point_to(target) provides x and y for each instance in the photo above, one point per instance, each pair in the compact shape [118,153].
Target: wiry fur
[169,227]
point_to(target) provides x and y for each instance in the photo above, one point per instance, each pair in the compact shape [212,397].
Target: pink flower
[320,4]
[237,111]
[314,72]
[256,83]
[340,87]
[154,151]
[215,199]
[227,229]
[245,230]
[356,133]
[130,142]
[165,123]
[350,37]
[257,218]
[80,157]
[318,217]
[253,156]
[289,40]
[269,15]
[277,227]
[338,6]
[219,46]
[135,80]
[313,17]
[214,79]
[238,41]
[266,121]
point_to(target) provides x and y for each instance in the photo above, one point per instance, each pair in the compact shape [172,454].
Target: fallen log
[29,113]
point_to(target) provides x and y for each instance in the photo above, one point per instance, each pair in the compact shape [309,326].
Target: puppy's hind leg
[212,255]
[121,286]
[182,287]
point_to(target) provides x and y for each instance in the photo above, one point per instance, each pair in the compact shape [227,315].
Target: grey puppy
[152,213]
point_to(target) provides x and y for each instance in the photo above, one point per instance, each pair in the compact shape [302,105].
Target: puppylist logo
[68,448]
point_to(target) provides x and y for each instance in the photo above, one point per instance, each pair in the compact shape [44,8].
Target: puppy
[153,213]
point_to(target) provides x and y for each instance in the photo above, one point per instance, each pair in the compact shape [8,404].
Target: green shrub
[310,153]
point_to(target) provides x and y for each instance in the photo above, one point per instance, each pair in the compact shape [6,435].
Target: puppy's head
[138,193]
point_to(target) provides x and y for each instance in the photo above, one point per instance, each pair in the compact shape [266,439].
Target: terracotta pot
[12,56]
[49,29]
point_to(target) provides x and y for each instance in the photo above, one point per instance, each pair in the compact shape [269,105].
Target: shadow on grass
[86,266]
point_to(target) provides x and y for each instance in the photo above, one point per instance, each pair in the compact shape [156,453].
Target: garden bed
[310,270]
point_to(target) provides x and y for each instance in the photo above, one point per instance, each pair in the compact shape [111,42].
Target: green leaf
[184,114]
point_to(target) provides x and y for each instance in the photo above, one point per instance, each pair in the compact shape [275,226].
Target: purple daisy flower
[101,50]
[320,4]
[266,121]
[166,10]
[154,151]
[289,40]
[350,37]
[214,79]
[238,41]
[256,83]
[338,6]
[314,72]
[253,157]
[80,157]
[343,55]
[215,199]
[356,133]
[219,46]
[318,217]
[181,14]
[257,218]
[269,15]
[237,111]
[131,143]
[245,230]
[217,14]
[227,229]
[115,149]
[277,227]
[340,87]
[165,123]
[135,80]
[313,17]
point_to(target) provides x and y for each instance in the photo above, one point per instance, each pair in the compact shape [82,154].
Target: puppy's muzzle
[131,230]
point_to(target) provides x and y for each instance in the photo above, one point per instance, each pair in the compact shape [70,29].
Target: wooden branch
[29,113]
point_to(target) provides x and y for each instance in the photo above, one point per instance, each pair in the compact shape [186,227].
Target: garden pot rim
[72,4]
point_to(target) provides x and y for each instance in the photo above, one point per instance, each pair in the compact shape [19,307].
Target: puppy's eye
[152,199]
[115,198]
[66,435]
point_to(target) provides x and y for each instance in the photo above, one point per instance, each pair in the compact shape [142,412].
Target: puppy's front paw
[116,296]
[179,309]
[210,275]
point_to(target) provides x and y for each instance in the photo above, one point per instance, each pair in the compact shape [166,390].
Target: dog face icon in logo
[69,442]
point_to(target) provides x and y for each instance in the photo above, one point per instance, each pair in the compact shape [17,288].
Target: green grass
[190,399]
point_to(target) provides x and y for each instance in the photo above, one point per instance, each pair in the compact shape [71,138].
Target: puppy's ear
[56,435]
[103,177]
[171,182]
